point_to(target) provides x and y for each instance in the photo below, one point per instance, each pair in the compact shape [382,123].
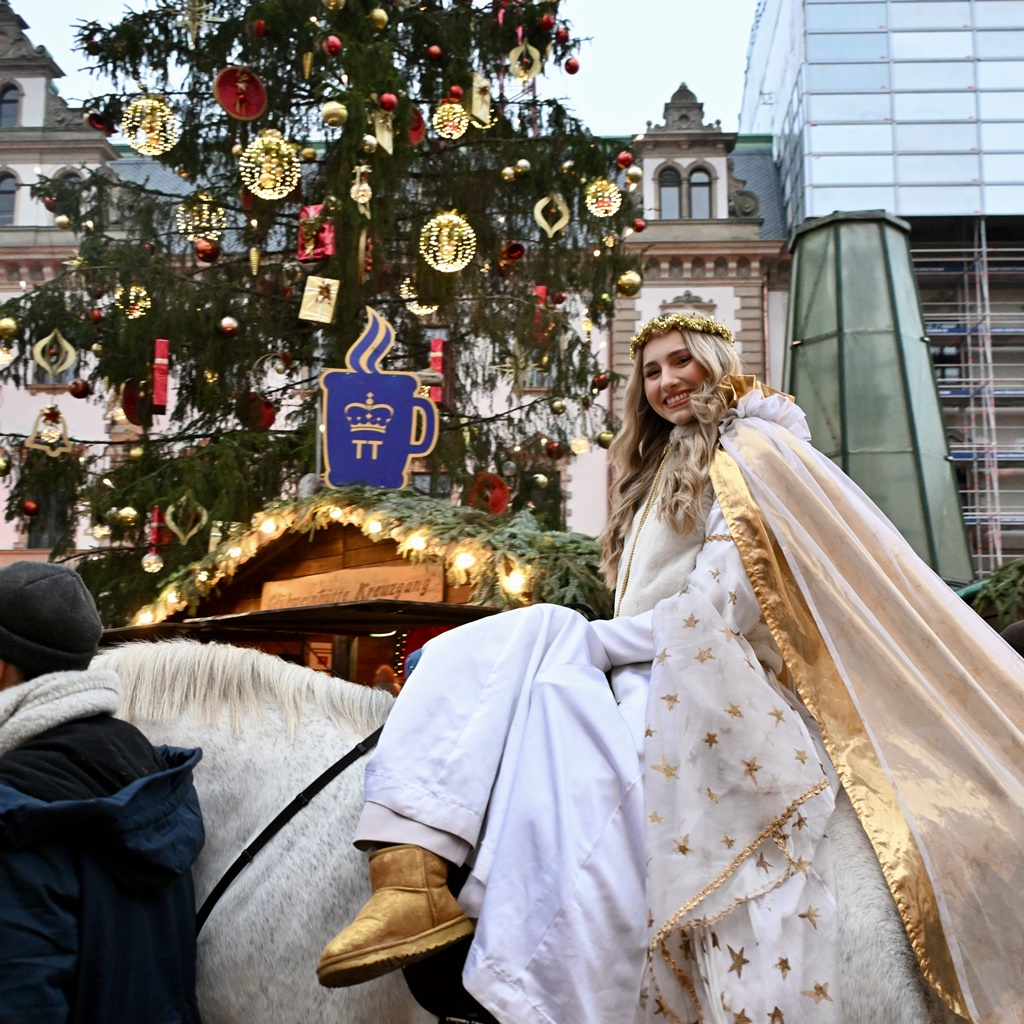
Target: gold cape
[920,703]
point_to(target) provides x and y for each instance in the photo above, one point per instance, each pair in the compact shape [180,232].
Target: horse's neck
[245,779]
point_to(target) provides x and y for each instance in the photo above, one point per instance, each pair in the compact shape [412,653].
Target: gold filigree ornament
[554,204]
[185,518]
[603,197]
[133,300]
[412,303]
[269,166]
[150,126]
[480,102]
[447,242]
[49,433]
[54,353]
[450,120]
[201,217]
[525,62]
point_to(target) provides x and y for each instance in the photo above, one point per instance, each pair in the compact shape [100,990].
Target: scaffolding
[972,299]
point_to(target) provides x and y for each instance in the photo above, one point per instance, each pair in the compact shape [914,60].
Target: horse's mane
[164,680]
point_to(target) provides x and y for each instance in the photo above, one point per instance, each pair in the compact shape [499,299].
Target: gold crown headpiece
[677,322]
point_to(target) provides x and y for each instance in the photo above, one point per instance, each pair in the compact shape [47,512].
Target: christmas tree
[320,157]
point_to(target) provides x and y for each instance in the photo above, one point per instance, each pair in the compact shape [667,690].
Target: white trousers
[509,741]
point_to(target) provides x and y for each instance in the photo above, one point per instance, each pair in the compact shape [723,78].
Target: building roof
[755,165]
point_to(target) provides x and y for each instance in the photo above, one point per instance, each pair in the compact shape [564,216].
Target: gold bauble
[557,406]
[5,462]
[603,197]
[522,166]
[127,516]
[270,166]
[378,19]
[333,5]
[605,438]
[96,349]
[308,153]
[152,561]
[634,175]
[150,126]
[508,173]
[136,452]
[8,328]
[450,120]
[629,283]
[447,242]
[63,221]
[369,144]
[237,149]
[334,114]
[568,166]
[201,217]
[540,481]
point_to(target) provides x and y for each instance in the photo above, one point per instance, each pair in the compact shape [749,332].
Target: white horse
[268,729]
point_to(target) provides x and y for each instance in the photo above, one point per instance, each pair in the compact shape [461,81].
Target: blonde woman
[647,804]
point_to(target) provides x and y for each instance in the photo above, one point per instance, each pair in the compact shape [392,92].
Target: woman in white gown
[643,802]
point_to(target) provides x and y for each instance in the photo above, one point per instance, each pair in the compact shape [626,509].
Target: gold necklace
[639,526]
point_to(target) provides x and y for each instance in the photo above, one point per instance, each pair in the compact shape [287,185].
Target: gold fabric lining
[771,831]
[845,736]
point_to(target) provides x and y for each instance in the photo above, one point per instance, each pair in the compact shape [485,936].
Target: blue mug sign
[375,422]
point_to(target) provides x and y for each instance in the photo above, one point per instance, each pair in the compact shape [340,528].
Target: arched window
[7,188]
[675,267]
[670,194]
[9,99]
[652,268]
[700,195]
[743,267]
[697,268]
[721,267]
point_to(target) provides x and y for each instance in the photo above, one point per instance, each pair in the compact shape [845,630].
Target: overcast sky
[638,54]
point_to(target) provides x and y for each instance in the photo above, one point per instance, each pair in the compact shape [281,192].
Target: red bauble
[207,250]
[30,507]
[434,51]
[562,35]
[388,101]
[572,65]
[93,48]
[50,202]
[639,224]
[600,382]
[254,412]
[558,298]
[95,315]
[624,159]
[456,92]
[513,251]
[101,122]
[259,27]
[228,326]
[554,449]
[547,22]
[79,388]
[331,46]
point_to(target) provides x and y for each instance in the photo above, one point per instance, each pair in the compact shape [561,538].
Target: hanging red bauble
[50,202]
[417,126]
[95,315]
[388,101]
[93,47]
[554,449]
[512,251]
[572,65]
[562,35]
[228,326]
[331,46]
[489,491]
[259,27]
[624,159]
[254,412]
[79,388]
[639,224]
[547,22]
[30,507]
[456,92]
[101,122]
[600,382]
[558,298]
[434,51]
[207,250]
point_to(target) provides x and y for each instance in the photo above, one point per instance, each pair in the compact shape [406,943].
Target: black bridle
[245,858]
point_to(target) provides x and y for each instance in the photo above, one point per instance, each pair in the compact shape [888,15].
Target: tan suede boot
[410,915]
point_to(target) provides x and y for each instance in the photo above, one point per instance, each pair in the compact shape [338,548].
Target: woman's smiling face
[670,374]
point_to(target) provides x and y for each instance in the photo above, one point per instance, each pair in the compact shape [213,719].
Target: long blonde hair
[640,445]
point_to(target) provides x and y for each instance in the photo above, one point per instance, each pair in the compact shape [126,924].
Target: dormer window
[670,194]
[9,100]
[700,195]
[8,185]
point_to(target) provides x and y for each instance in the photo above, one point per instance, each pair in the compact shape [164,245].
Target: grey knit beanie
[48,619]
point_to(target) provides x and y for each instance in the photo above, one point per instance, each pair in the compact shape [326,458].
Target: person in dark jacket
[98,829]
